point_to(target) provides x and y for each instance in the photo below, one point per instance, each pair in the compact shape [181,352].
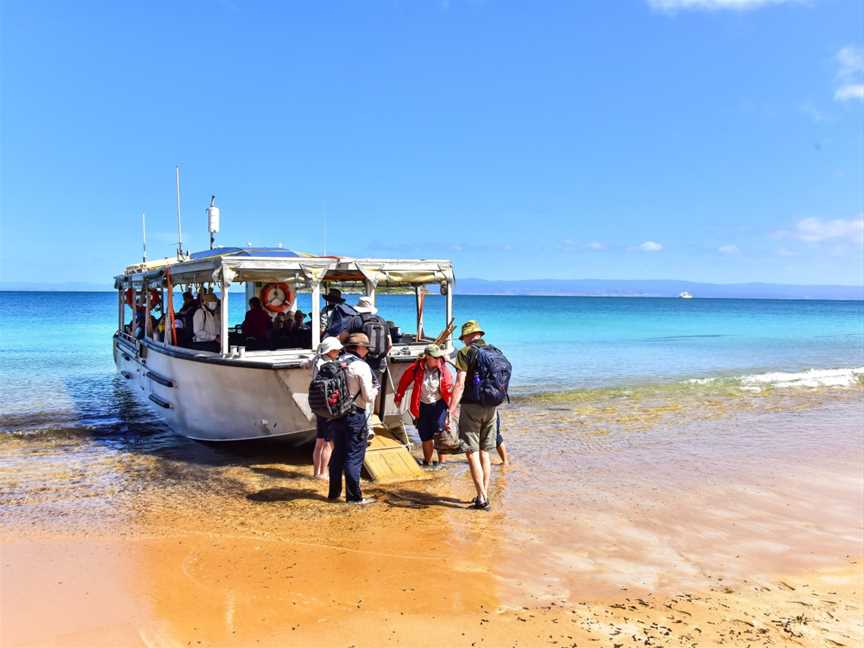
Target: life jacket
[414,374]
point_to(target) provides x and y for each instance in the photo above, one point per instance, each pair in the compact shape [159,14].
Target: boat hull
[207,398]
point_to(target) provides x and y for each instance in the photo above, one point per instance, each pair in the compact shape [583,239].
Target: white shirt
[430,388]
[205,325]
[360,382]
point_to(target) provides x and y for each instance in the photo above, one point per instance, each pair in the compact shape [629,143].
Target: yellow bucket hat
[469,327]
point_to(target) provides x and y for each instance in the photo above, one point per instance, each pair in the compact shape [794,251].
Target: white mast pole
[144,233]
[179,228]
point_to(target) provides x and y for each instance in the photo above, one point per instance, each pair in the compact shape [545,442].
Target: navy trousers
[350,435]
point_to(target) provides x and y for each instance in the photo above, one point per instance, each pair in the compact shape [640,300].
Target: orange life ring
[155,297]
[273,302]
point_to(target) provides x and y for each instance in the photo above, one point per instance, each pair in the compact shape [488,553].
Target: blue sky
[710,140]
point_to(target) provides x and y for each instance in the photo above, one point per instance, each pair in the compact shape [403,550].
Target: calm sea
[56,368]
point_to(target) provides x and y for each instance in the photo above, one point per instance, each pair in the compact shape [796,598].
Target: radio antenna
[144,234]
[213,220]
[179,227]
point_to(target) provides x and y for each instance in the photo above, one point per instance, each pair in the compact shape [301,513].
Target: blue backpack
[490,376]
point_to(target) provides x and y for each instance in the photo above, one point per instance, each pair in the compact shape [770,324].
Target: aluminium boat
[231,393]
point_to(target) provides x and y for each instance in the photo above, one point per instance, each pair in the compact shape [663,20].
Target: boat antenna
[213,220]
[179,227]
[144,234]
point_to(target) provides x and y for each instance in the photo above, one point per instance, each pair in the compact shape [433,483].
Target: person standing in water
[431,389]
[482,380]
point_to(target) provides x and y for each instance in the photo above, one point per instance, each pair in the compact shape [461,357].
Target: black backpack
[490,376]
[378,332]
[329,397]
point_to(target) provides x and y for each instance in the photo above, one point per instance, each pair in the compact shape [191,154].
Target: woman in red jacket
[430,396]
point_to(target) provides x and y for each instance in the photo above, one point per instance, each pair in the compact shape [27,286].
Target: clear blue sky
[710,140]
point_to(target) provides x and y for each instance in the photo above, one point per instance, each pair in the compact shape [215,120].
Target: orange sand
[760,550]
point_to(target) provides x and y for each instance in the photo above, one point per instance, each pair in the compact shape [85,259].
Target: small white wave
[784,380]
[809,378]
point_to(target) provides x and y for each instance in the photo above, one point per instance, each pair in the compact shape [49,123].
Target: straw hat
[469,327]
[365,305]
[334,296]
[433,351]
[329,344]
[358,339]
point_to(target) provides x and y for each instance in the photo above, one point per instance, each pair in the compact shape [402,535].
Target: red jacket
[414,374]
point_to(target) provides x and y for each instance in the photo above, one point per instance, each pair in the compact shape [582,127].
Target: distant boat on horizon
[685,295]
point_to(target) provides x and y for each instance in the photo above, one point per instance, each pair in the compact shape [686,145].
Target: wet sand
[626,519]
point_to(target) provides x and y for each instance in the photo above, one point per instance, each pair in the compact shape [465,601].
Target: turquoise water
[56,367]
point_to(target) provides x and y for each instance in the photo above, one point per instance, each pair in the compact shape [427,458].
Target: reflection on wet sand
[621,516]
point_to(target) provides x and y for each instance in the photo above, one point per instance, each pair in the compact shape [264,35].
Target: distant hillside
[575,287]
[654,288]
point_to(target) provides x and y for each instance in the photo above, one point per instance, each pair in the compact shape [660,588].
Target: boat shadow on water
[109,420]
[107,414]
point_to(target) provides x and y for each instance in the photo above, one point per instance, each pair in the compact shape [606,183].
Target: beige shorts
[477,427]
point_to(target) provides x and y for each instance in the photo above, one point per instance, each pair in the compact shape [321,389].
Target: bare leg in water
[316,457]
[321,457]
[428,448]
[476,467]
[486,464]
[502,452]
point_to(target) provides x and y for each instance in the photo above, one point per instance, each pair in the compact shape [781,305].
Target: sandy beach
[626,519]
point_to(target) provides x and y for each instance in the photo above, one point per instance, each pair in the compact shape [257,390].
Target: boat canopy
[225,266]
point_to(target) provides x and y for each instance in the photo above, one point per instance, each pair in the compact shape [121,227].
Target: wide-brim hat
[329,344]
[433,351]
[365,305]
[334,295]
[358,339]
[470,327]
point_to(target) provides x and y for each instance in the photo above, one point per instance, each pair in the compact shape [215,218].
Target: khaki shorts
[477,427]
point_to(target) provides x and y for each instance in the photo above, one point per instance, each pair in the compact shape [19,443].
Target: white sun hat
[329,344]
[365,305]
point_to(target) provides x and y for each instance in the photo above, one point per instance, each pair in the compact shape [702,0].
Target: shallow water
[660,482]
[57,373]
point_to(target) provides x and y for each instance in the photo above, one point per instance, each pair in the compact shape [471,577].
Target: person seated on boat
[299,320]
[280,334]
[301,334]
[183,318]
[140,318]
[257,326]
[157,323]
[206,325]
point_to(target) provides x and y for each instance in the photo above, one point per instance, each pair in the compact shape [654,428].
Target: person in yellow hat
[478,420]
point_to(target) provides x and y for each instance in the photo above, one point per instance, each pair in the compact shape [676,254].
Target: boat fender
[277,297]
[155,297]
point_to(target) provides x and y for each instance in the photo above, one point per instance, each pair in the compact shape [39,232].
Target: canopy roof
[272,252]
[236,264]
